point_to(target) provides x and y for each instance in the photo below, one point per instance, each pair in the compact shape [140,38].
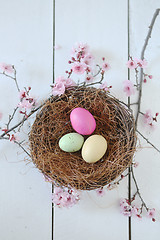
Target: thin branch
[99,82]
[136,103]
[137,188]
[19,144]
[11,117]
[4,138]
[136,76]
[142,57]
[122,177]
[139,105]
[22,121]
[7,75]
[148,141]
[98,71]
[14,78]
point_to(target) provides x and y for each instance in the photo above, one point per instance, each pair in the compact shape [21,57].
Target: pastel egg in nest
[114,121]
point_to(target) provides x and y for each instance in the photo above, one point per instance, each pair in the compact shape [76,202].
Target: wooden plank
[26,42]
[147,173]
[103,25]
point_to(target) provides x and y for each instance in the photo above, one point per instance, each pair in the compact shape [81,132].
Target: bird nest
[114,121]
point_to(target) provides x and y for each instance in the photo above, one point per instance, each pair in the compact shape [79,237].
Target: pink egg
[82,121]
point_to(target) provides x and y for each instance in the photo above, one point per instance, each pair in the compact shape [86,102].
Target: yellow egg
[94,148]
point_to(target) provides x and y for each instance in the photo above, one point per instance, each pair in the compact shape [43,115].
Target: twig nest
[114,122]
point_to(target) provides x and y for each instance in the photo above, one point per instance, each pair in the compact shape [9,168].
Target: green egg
[71,142]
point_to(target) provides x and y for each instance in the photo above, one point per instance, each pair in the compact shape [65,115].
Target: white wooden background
[26,39]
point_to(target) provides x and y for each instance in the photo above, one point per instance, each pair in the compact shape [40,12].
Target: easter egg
[82,121]
[71,142]
[94,148]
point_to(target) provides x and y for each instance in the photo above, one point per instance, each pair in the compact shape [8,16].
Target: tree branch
[11,117]
[14,78]
[22,121]
[147,141]
[142,57]
[137,188]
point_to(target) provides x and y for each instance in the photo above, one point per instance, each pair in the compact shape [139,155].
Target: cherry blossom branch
[22,121]
[142,57]
[132,64]
[99,82]
[121,178]
[139,103]
[14,78]
[100,69]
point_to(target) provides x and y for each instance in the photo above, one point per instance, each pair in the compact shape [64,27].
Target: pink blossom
[151,213]
[7,68]
[89,77]
[60,79]
[14,138]
[136,211]
[148,117]
[88,59]
[105,66]
[1,115]
[100,192]
[26,103]
[104,86]
[122,201]
[58,89]
[126,210]
[79,68]
[88,69]
[67,200]
[131,64]
[141,63]
[80,50]
[68,82]
[65,197]
[58,190]
[22,94]
[128,88]
[150,76]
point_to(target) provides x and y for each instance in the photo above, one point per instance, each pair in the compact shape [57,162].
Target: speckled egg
[82,121]
[71,142]
[94,148]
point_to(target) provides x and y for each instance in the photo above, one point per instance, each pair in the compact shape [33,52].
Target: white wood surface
[26,42]
[148,172]
[103,25]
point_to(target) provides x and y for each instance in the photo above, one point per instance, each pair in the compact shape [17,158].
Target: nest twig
[114,121]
